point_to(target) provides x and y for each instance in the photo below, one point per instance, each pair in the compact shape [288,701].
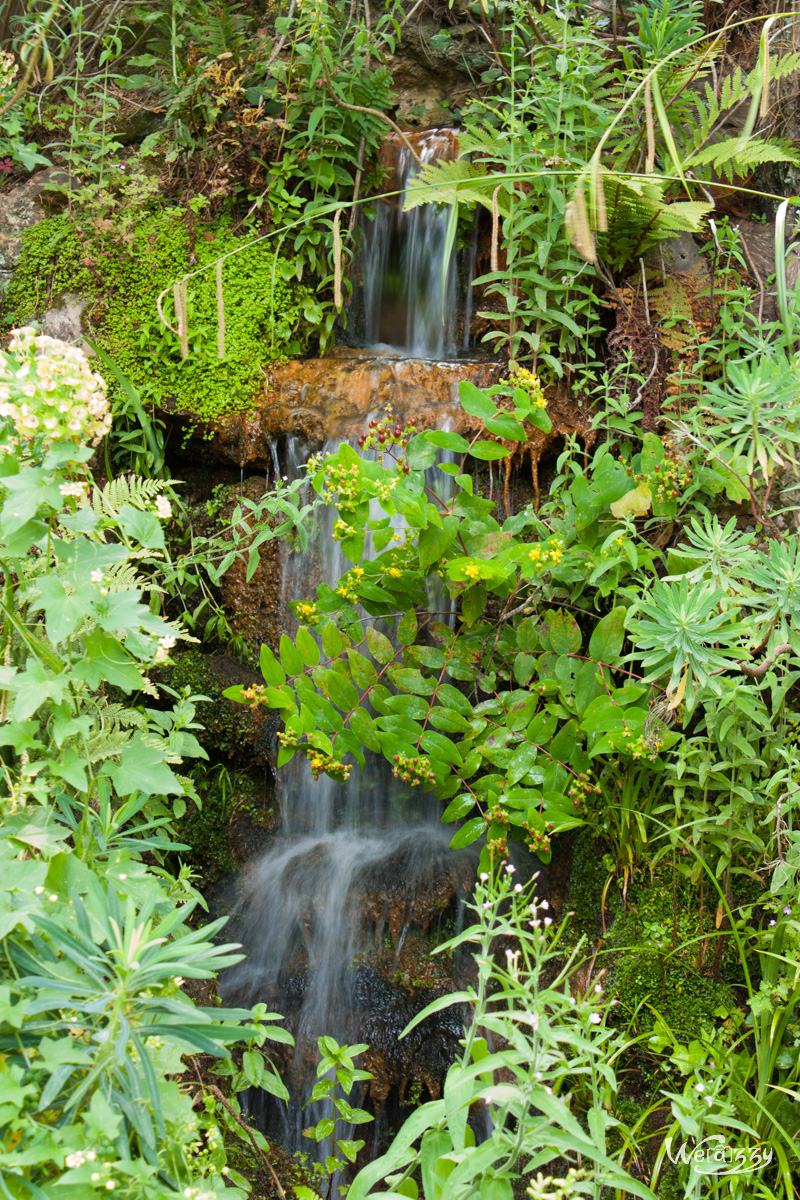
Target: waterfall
[356,866]
[409,287]
[360,871]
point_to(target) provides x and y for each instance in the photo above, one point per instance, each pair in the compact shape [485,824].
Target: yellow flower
[473,571]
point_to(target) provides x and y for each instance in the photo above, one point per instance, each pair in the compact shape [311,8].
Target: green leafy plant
[336,1075]
[543,1089]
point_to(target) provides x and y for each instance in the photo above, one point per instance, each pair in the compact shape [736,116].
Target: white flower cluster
[79,1158]
[49,394]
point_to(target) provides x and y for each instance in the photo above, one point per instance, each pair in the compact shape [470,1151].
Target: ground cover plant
[621,670]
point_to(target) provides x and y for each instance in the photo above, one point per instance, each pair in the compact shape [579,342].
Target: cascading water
[361,866]
[409,278]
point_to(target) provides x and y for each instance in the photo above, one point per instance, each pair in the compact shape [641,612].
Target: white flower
[517,887]
[52,896]
[510,869]
[163,508]
[110,1185]
[96,576]
[699,1087]
[598,987]
[483,876]
[38,891]
[95,1177]
[545,905]
[595,1018]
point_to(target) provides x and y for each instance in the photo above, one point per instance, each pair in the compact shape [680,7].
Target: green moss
[266,311]
[656,962]
[223,722]
[588,878]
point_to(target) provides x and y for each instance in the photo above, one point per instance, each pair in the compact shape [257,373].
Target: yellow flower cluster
[547,556]
[49,394]
[530,383]
[348,585]
[342,530]
[472,571]
[306,613]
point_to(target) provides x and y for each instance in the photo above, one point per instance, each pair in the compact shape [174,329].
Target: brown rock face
[335,396]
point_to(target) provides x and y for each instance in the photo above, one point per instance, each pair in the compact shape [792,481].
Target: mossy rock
[231,731]
[120,273]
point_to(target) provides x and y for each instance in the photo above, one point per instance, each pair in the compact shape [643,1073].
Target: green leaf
[105,660]
[560,632]
[468,833]
[524,667]
[440,747]
[307,646]
[363,726]
[488,451]
[142,527]
[473,603]
[476,402]
[142,768]
[447,441]
[605,644]
[408,679]
[379,646]
[458,808]
[271,670]
[505,426]
[332,641]
[291,659]
[407,628]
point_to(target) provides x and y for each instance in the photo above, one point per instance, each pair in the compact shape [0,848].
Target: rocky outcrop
[335,396]
[20,209]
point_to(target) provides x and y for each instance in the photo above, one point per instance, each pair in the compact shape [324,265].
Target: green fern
[126,489]
[639,217]
[736,156]
[458,182]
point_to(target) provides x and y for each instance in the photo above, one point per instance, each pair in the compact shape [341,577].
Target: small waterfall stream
[410,292]
[358,868]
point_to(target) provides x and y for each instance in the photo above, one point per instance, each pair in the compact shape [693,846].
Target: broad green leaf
[271,670]
[407,628]
[468,833]
[560,632]
[291,658]
[605,644]
[458,808]
[379,646]
[488,451]
[476,402]
[142,768]
[307,646]
[447,441]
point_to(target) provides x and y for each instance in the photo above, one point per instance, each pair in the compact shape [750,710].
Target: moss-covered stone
[231,731]
[120,273]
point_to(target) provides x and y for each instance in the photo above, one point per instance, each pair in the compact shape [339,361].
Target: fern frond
[456,182]
[126,489]
[107,745]
[737,156]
